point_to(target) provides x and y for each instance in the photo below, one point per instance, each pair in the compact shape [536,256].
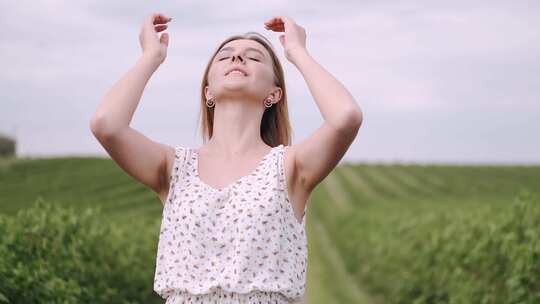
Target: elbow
[95,125]
[352,119]
[355,118]
[99,126]
[349,122]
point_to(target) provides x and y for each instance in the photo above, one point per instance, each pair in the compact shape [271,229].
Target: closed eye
[249,58]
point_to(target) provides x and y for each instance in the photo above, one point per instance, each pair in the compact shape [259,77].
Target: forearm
[116,109]
[334,101]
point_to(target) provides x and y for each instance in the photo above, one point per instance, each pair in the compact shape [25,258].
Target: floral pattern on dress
[242,242]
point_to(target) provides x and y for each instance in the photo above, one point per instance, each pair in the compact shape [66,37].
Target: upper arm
[142,158]
[319,154]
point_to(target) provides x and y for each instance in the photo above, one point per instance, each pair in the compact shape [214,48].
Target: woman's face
[253,59]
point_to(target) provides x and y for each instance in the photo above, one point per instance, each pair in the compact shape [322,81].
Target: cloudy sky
[438,83]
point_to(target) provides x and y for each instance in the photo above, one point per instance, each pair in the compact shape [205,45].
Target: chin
[234,86]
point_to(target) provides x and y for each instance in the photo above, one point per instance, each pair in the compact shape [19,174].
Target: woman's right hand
[150,43]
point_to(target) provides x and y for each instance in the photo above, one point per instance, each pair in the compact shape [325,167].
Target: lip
[236,68]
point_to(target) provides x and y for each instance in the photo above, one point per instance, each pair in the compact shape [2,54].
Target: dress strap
[280,165]
[180,157]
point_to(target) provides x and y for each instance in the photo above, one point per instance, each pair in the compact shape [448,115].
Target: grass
[358,221]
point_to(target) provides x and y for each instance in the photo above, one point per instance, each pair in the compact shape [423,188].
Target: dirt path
[343,282]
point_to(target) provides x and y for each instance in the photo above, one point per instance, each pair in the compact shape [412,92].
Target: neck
[237,126]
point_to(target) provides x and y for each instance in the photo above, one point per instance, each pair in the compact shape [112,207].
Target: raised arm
[142,158]
[316,156]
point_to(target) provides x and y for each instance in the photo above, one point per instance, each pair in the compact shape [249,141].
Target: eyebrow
[248,48]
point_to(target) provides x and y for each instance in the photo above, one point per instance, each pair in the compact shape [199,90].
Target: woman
[233,226]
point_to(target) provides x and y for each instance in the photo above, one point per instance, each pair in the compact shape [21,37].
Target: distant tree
[7,145]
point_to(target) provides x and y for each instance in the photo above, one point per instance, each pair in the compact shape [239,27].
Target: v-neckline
[238,180]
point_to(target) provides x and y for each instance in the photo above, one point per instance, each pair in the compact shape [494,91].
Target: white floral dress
[238,244]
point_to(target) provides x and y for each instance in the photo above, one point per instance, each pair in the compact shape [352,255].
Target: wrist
[298,55]
[151,58]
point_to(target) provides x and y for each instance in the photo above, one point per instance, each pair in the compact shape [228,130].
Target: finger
[275,24]
[164,39]
[273,20]
[279,19]
[279,26]
[158,18]
[154,16]
[276,29]
[281,23]
[152,20]
[160,27]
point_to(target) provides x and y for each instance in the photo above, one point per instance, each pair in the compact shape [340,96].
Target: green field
[377,233]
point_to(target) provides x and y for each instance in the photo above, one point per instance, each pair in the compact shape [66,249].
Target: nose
[240,58]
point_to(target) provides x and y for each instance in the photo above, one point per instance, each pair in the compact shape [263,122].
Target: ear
[276,94]
[206,93]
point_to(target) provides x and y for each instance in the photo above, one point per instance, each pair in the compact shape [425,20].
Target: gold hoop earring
[211,102]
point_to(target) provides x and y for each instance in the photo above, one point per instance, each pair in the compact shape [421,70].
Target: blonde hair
[275,124]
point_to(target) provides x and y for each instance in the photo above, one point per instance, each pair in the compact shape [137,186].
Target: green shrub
[492,256]
[475,252]
[50,254]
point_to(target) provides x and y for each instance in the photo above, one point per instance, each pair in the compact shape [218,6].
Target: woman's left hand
[294,39]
